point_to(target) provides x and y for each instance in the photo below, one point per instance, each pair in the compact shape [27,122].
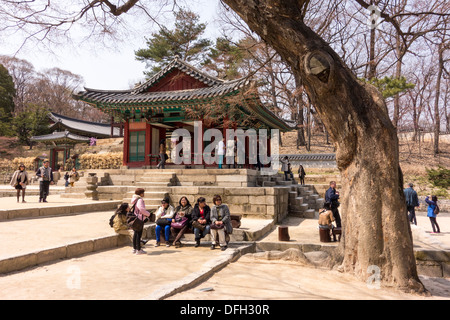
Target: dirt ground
[415,158]
[249,279]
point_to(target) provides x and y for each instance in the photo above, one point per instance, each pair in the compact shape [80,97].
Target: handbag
[133,221]
[162,222]
[179,223]
[217,227]
[198,225]
[137,224]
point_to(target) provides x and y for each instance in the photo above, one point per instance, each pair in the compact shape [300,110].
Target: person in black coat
[332,196]
[201,220]
[45,177]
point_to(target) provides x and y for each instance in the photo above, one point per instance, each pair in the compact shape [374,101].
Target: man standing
[221,152]
[412,201]
[45,177]
[332,196]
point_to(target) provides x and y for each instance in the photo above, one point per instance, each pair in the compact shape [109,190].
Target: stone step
[74,195]
[269,183]
[40,241]
[309,214]
[284,183]
[156,178]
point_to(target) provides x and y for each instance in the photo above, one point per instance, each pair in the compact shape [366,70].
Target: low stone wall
[250,202]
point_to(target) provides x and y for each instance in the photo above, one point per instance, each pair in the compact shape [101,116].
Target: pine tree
[184,41]
[7,93]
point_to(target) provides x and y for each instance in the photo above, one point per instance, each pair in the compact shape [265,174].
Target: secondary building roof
[82,127]
[60,138]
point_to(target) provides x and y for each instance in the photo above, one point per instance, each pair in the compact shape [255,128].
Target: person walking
[201,220]
[332,196]
[74,176]
[141,213]
[181,222]
[19,181]
[45,178]
[301,174]
[220,223]
[412,202]
[432,212]
[163,220]
[162,154]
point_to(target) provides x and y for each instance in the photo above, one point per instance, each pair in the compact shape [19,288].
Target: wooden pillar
[226,126]
[148,144]
[112,126]
[198,143]
[126,143]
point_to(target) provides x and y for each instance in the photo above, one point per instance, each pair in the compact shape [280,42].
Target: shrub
[439,177]
[110,160]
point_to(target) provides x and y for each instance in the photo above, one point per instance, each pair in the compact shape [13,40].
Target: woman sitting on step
[164,217]
[181,221]
[220,223]
[201,220]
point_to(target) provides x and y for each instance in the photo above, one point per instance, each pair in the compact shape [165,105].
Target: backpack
[436,210]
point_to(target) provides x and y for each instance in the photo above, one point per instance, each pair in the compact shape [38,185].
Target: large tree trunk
[375,225]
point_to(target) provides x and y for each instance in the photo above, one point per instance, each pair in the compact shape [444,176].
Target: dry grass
[414,159]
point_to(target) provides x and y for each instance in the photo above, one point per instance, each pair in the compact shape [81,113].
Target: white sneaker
[134,251]
[141,252]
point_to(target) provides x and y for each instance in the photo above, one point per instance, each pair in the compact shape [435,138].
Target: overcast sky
[104,67]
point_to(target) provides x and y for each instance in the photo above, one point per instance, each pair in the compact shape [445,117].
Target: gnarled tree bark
[375,225]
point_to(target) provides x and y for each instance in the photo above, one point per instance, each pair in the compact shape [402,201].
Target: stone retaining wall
[250,202]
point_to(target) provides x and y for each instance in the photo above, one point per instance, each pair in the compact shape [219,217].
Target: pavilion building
[174,98]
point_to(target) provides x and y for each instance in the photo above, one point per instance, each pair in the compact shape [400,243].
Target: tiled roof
[62,136]
[183,66]
[88,127]
[112,100]
[131,96]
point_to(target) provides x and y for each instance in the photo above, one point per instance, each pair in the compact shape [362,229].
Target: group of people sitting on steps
[174,222]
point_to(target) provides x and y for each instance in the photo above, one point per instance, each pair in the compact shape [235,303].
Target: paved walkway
[118,274]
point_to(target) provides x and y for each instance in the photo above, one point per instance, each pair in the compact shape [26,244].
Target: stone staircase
[274,181]
[304,202]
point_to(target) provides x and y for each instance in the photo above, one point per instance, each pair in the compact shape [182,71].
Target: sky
[102,67]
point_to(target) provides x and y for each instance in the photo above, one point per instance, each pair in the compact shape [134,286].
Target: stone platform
[248,193]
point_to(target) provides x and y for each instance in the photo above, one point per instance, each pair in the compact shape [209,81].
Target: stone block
[80,248]
[250,191]
[213,190]
[269,183]
[429,269]
[446,269]
[231,178]
[242,199]
[18,263]
[52,211]
[184,190]
[23,213]
[433,255]
[105,243]
[52,254]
